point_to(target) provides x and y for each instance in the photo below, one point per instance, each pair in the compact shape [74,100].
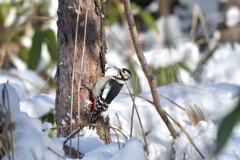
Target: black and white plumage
[105,90]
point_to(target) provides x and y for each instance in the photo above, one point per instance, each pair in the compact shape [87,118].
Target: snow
[132,149]
[87,142]
[232,16]
[208,7]
[167,27]
[29,83]
[226,60]
[203,135]
[183,52]
[215,101]
[38,106]
[28,140]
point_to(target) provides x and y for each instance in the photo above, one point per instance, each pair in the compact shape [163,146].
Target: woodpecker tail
[101,106]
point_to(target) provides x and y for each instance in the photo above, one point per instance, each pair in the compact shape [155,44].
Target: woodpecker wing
[99,86]
[105,90]
[112,88]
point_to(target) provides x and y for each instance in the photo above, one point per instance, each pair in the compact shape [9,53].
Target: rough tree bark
[93,62]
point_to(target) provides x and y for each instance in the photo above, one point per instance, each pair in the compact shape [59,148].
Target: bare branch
[146,68]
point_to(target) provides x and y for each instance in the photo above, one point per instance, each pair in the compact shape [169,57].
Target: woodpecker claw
[87,102]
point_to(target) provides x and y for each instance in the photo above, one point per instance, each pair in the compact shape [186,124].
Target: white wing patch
[106,91]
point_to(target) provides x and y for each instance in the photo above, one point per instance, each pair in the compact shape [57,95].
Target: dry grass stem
[119,123]
[195,114]
[134,96]
[119,147]
[82,57]
[139,119]
[83,53]
[73,73]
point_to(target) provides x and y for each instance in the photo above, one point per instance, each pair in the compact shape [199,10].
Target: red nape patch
[94,103]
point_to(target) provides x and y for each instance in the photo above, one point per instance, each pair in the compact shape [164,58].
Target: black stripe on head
[120,72]
[119,78]
[124,70]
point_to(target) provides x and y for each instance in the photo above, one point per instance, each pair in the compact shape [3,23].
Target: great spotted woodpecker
[105,90]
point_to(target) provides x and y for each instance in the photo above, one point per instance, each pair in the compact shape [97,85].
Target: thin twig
[171,101]
[75,154]
[71,135]
[132,116]
[139,119]
[81,126]
[68,126]
[83,52]
[134,96]
[119,123]
[194,21]
[168,99]
[73,73]
[148,72]
[202,21]
[81,65]
[117,139]
[120,131]
[50,149]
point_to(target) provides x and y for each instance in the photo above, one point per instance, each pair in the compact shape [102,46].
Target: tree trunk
[93,61]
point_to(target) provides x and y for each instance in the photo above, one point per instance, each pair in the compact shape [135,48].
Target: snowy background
[212,91]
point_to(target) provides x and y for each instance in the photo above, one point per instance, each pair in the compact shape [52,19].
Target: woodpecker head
[123,74]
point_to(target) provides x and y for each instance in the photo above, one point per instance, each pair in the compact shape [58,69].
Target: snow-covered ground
[215,101]
[27,139]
